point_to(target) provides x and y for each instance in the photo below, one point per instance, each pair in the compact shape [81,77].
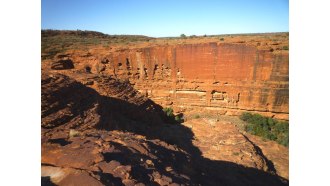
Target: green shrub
[183,36]
[178,119]
[271,122]
[284,139]
[285,47]
[168,112]
[245,116]
[267,128]
[222,39]
[171,118]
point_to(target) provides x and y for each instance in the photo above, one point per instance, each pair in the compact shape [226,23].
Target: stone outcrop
[91,139]
[227,78]
[62,64]
[102,121]
[72,104]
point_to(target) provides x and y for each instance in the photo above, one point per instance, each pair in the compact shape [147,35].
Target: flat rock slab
[81,178]
[67,156]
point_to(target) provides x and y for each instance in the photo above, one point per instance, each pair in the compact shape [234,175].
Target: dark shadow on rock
[109,179]
[188,167]
[270,165]
[45,181]
[60,141]
[62,64]
[69,98]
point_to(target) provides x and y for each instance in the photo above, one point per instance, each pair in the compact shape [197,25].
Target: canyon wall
[219,77]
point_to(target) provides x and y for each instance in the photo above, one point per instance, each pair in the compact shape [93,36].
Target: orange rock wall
[221,77]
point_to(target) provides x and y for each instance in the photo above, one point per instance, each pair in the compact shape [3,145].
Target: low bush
[266,127]
[168,112]
[183,36]
[179,119]
[171,118]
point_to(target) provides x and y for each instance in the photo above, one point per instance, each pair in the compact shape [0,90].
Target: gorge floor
[219,153]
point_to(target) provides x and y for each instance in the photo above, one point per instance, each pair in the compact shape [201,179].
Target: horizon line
[242,33]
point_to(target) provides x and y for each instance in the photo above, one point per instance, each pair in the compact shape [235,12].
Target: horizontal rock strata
[220,77]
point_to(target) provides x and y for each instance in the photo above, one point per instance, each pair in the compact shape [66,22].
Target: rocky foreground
[101,131]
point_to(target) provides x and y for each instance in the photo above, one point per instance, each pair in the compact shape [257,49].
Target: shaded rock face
[62,64]
[67,101]
[120,139]
[216,76]
[64,101]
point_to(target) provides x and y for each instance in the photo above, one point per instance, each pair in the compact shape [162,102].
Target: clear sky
[159,18]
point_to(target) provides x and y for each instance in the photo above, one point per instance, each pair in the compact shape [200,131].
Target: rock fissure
[270,165]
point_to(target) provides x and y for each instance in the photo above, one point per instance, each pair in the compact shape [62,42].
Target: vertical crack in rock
[215,59]
[269,164]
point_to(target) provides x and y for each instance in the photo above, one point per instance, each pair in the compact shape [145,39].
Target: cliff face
[220,77]
[120,138]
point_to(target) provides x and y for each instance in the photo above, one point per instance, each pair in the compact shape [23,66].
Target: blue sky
[159,18]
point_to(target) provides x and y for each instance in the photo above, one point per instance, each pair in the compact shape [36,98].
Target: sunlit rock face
[220,77]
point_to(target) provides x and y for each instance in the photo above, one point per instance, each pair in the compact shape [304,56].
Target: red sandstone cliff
[220,77]
[98,129]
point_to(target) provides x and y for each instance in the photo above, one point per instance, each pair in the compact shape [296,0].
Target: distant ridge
[86,33]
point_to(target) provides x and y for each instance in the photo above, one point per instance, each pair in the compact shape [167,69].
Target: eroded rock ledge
[224,78]
[119,139]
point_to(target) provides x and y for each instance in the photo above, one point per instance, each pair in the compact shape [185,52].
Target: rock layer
[91,139]
[219,77]
[102,125]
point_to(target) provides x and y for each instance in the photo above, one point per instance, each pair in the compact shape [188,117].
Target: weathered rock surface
[223,141]
[277,154]
[92,139]
[220,140]
[62,64]
[102,120]
[233,77]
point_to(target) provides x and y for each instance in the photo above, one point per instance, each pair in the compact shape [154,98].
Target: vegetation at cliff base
[267,127]
[170,117]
